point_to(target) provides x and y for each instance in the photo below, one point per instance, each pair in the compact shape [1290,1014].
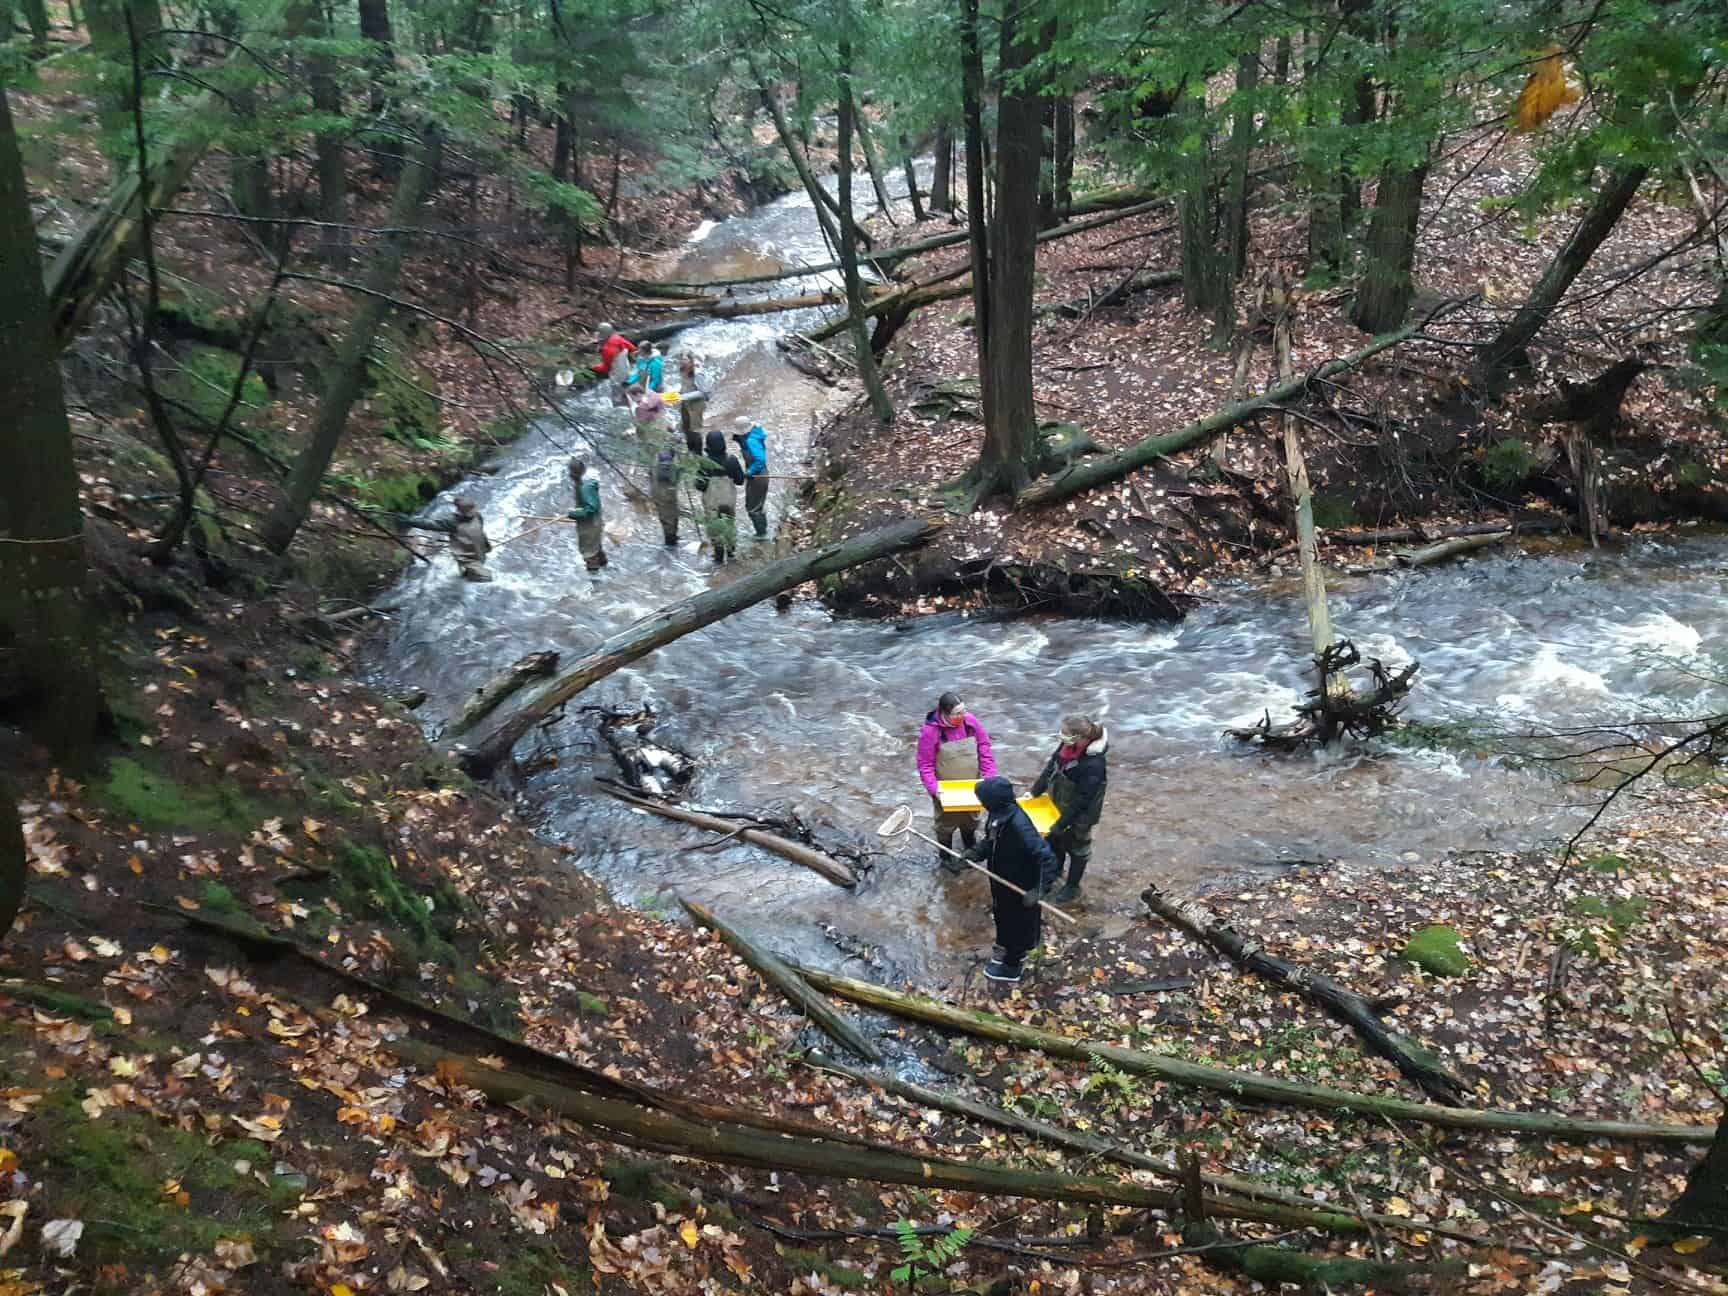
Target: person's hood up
[715,445]
[665,456]
[995,794]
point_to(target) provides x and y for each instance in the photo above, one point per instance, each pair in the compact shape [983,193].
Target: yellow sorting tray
[959,795]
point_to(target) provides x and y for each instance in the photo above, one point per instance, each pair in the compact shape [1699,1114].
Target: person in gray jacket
[468,543]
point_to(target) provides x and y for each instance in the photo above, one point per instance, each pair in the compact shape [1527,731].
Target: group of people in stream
[954,747]
[706,466]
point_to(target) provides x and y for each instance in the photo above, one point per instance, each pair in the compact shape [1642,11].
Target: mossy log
[788,982]
[1244,1085]
[678,619]
[506,683]
[797,852]
[1346,1005]
[1276,1265]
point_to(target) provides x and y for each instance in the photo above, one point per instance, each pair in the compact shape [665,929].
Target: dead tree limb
[1335,709]
[507,682]
[648,767]
[1346,1005]
[678,619]
[787,981]
[797,852]
[1452,548]
[1245,1086]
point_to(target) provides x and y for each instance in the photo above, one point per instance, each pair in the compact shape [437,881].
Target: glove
[574,516]
[1032,897]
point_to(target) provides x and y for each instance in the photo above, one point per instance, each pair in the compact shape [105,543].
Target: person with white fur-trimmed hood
[1075,776]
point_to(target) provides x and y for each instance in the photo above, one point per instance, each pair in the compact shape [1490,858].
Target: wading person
[718,477]
[648,409]
[650,368]
[663,487]
[616,351]
[753,442]
[693,393]
[590,536]
[1075,776]
[1012,849]
[468,543]
[953,745]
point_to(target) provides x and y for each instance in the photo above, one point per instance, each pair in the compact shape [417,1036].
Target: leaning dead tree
[1333,709]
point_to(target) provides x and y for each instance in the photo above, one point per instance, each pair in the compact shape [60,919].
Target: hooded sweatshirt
[755,446]
[934,733]
[1076,783]
[1011,847]
[718,462]
[609,350]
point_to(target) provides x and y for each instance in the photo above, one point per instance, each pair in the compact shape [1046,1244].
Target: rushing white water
[797,709]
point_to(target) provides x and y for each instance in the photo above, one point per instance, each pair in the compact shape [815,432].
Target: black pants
[1017,927]
[756,503]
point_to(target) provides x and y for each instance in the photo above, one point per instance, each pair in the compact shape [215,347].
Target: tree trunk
[1247,1086]
[789,983]
[1098,469]
[1011,421]
[330,163]
[1047,163]
[872,163]
[942,171]
[1702,1206]
[800,163]
[679,619]
[909,165]
[1206,278]
[1296,466]
[1064,156]
[1241,153]
[48,675]
[1587,483]
[1388,283]
[14,856]
[90,262]
[375,27]
[863,356]
[811,858]
[505,684]
[113,25]
[348,371]
[977,219]
[249,187]
[1507,350]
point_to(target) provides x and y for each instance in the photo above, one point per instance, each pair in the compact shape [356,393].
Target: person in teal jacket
[650,368]
[586,515]
[754,446]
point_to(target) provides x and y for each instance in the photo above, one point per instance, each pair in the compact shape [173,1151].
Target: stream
[799,709]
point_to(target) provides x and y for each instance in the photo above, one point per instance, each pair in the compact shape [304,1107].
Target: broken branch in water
[1334,708]
[512,679]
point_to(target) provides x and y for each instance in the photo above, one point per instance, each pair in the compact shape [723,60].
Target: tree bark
[1098,469]
[1507,350]
[909,165]
[93,258]
[800,164]
[505,684]
[1702,1205]
[942,170]
[679,619]
[1346,1005]
[1243,1085]
[1010,419]
[330,163]
[14,856]
[1064,156]
[811,858]
[48,674]
[1206,277]
[789,983]
[1301,491]
[872,163]
[1241,153]
[863,356]
[375,28]
[348,371]
[1388,283]
[977,227]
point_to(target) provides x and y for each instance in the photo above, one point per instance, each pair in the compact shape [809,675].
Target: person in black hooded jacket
[1076,777]
[1012,849]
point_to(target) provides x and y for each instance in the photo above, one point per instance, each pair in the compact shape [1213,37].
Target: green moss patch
[153,799]
[1507,463]
[1438,950]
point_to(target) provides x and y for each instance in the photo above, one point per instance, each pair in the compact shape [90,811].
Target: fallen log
[788,982]
[797,852]
[647,767]
[1106,468]
[679,619]
[1301,1211]
[1335,708]
[1275,1266]
[1440,552]
[1346,1005]
[1244,1085]
[512,679]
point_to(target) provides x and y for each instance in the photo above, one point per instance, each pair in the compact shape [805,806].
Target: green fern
[926,1256]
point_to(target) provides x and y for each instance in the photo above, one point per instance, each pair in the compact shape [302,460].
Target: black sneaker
[1003,969]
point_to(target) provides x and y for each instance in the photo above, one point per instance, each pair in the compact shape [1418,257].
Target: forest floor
[1403,440]
[187,1109]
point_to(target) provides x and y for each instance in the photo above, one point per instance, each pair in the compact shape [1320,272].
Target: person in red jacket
[616,351]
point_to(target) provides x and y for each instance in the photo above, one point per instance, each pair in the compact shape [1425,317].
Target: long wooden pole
[678,619]
[1247,1085]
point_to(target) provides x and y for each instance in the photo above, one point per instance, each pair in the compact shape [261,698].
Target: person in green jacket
[586,516]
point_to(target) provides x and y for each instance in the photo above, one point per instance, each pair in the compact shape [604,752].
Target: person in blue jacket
[650,368]
[753,443]
[1012,849]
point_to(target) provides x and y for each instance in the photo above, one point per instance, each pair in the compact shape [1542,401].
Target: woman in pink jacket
[953,745]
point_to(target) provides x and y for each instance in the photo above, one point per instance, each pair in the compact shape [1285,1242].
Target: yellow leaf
[687,1231]
[341,1289]
[1545,92]
[1398,1206]
[1687,1245]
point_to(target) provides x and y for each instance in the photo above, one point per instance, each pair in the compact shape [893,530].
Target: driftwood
[648,767]
[1110,467]
[1334,709]
[512,679]
[1246,1086]
[678,619]
[788,982]
[1302,1212]
[1444,549]
[797,852]
[1346,1005]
